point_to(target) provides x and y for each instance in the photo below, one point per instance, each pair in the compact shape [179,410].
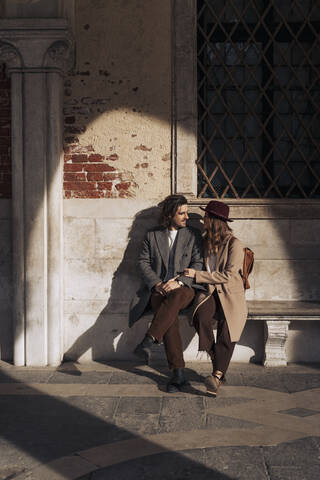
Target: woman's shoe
[212,384]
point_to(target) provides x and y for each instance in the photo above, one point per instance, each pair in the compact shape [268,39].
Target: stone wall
[118,101]
[102,239]
[5,135]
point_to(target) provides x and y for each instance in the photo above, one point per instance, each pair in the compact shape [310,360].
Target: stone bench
[277,316]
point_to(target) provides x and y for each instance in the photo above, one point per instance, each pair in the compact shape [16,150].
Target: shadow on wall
[110,338]
[31,435]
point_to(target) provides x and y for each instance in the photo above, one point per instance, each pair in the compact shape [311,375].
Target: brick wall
[5,135]
[88,173]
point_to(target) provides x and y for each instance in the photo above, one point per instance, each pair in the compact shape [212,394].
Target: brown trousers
[220,350]
[165,323]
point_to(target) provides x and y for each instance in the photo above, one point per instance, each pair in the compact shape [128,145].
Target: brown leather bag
[248,261]
[247,267]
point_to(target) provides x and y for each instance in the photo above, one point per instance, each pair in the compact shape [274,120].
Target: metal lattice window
[258,98]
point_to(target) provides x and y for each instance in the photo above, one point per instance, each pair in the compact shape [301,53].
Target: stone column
[37,52]
[276,334]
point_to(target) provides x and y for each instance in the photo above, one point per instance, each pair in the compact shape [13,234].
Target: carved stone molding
[9,55]
[276,334]
[36,44]
[60,55]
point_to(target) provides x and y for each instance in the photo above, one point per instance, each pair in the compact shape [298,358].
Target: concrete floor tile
[87,378]
[100,407]
[301,452]
[223,402]
[300,381]
[141,424]
[139,405]
[226,456]
[218,421]
[27,376]
[138,377]
[308,472]
[182,414]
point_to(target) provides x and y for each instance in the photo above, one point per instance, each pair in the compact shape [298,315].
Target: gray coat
[153,263]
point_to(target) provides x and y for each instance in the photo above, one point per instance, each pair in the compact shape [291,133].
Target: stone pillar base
[276,334]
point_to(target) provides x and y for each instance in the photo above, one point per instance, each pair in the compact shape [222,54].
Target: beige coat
[226,279]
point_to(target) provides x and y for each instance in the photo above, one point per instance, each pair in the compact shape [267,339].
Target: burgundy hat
[218,209]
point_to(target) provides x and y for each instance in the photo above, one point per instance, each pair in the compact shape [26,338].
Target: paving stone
[84,377]
[164,466]
[269,381]
[308,472]
[219,421]
[300,381]
[181,414]
[24,376]
[225,401]
[142,424]
[100,407]
[226,456]
[301,452]
[133,378]
[299,412]
[139,405]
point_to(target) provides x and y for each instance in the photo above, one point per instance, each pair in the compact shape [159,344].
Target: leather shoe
[177,381]
[143,350]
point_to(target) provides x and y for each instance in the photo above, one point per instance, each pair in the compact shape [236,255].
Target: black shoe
[143,350]
[177,381]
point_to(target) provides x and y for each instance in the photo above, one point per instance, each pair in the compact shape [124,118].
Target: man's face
[180,218]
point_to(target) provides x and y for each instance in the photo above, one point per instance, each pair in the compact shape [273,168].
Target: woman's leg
[223,348]
[203,323]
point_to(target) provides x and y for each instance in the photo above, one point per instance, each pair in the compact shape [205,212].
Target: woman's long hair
[215,234]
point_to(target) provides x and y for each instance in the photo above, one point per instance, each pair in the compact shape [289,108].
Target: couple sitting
[175,274]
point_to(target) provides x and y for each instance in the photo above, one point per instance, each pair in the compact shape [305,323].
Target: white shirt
[171,237]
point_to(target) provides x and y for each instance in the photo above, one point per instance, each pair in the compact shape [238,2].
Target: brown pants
[220,350]
[165,323]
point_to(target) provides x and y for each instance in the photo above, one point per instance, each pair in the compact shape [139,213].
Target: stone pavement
[116,421]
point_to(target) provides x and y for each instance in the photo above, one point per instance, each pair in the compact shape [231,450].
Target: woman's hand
[189,272]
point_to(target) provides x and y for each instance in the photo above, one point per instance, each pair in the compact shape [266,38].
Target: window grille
[258,98]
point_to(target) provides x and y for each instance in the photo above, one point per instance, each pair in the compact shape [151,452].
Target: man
[165,253]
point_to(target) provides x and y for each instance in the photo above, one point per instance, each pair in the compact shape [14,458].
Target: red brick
[74,177]
[95,157]
[70,120]
[110,176]
[123,186]
[73,167]
[74,130]
[71,140]
[79,158]
[88,194]
[104,185]
[67,194]
[112,157]
[79,185]
[96,176]
[99,168]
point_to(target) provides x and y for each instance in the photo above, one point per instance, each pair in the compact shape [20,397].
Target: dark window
[258,98]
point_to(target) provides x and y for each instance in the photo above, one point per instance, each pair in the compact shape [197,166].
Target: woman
[225,296]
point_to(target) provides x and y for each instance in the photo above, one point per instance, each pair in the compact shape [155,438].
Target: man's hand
[159,288]
[170,285]
[189,272]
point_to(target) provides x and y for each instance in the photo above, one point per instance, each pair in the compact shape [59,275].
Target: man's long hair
[169,207]
[215,234]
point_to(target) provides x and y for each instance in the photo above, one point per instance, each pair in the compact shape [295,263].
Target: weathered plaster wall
[118,101]
[102,239]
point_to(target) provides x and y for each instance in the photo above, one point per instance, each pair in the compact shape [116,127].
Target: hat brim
[217,216]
